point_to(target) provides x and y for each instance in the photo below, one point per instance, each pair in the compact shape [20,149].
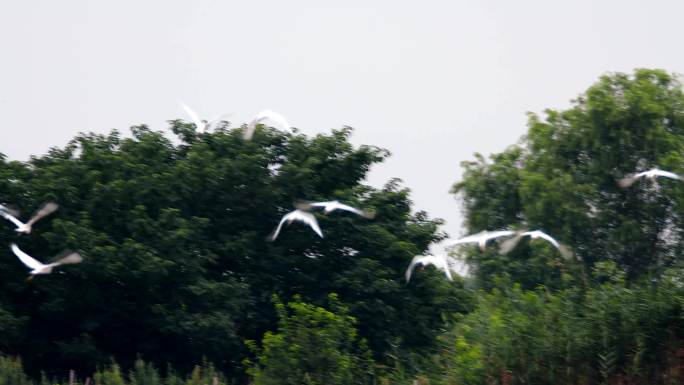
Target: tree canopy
[562,178]
[177,267]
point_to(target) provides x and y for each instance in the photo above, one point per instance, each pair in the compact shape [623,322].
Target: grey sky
[432,82]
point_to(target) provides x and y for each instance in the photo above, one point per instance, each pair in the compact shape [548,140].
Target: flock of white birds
[303,213]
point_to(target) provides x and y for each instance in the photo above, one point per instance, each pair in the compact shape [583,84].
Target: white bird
[39,268]
[481,238]
[198,122]
[650,174]
[262,116]
[446,264]
[509,244]
[297,215]
[331,206]
[25,228]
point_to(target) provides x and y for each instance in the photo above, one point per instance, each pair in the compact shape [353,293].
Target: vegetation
[177,269]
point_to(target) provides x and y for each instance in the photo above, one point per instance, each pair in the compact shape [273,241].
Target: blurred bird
[331,206]
[46,209]
[297,215]
[509,244]
[263,116]
[36,267]
[198,122]
[650,174]
[481,238]
[446,264]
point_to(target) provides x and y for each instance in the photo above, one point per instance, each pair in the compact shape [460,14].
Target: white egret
[297,215]
[40,268]
[331,206]
[198,122]
[444,263]
[650,174]
[263,116]
[509,244]
[46,209]
[481,238]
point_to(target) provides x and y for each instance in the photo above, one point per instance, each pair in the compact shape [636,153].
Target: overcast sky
[431,81]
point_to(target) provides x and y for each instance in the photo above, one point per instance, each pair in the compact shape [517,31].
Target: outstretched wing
[11,218]
[509,244]
[629,180]
[70,258]
[10,211]
[193,116]
[548,238]
[666,174]
[310,220]
[272,237]
[416,260]
[25,258]
[47,209]
[365,214]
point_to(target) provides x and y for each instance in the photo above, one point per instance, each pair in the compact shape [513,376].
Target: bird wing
[25,258]
[11,218]
[363,213]
[193,116]
[547,237]
[249,131]
[416,260]
[628,180]
[272,237]
[70,258]
[509,244]
[216,120]
[310,220]
[565,252]
[441,262]
[666,174]
[468,239]
[47,209]
[10,211]
[273,117]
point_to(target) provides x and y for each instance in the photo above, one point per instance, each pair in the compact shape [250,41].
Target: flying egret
[198,122]
[446,264]
[264,116]
[39,268]
[481,238]
[650,174]
[46,209]
[331,206]
[509,244]
[297,215]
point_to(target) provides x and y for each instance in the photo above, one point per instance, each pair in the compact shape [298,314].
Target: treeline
[177,270]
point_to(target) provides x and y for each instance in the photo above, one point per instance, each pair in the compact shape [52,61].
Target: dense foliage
[178,271]
[177,268]
[613,314]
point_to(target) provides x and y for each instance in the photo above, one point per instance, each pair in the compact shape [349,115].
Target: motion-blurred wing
[25,258]
[47,209]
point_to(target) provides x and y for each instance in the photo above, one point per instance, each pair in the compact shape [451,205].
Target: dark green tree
[562,178]
[177,267]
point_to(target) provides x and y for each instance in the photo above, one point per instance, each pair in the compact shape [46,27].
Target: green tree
[312,346]
[176,263]
[562,179]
